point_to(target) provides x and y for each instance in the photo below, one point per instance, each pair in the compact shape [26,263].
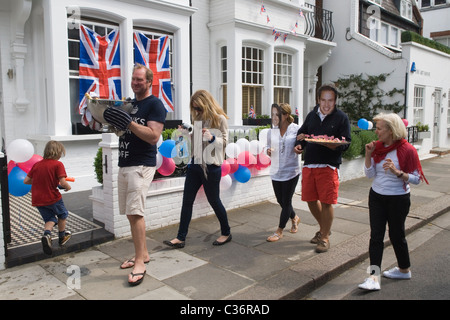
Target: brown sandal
[295,223]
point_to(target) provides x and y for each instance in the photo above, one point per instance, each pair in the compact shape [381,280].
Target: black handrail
[319,23]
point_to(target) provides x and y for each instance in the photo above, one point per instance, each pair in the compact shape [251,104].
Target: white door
[436,120]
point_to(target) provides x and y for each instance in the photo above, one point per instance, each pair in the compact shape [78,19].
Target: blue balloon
[363,124]
[166,148]
[242,174]
[15,182]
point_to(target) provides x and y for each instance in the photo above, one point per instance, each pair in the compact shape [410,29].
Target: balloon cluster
[364,124]
[243,158]
[21,153]
[164,158]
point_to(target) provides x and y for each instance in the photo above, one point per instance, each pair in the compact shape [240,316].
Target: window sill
[68,138]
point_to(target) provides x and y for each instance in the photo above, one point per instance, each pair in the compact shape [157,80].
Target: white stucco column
[109,213]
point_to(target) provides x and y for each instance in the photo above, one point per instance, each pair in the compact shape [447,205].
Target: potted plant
[423,131]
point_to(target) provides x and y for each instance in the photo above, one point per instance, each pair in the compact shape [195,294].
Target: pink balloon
[405,122]
[27,165]
[167,167]
[262,161]
[233,165]
[246,159]
[11,165]
[225,168]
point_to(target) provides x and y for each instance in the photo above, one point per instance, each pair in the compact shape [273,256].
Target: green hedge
[408,36]
[359,140]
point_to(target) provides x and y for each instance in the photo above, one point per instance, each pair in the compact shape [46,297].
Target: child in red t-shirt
[45,177]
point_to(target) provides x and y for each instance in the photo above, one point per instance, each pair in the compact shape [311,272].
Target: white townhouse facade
[368,33]
[242,54]
[247,53]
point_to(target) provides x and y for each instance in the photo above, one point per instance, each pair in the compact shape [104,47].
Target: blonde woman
[393,164]
[285,168]
[210,124]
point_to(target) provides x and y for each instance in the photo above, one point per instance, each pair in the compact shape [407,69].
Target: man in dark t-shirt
[137,161]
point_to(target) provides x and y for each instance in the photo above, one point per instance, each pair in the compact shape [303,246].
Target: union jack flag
[99,68]
[252,113]
[154,54]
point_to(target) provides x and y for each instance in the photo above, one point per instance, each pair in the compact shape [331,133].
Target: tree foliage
[361,97]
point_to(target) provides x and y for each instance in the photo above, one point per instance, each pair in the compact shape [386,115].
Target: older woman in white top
[393,164]
[285,168]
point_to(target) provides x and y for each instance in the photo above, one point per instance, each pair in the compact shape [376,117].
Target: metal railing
[319,23]
[413,134]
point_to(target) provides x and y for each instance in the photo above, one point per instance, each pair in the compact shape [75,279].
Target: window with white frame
[431,3]
[282,77]
[223,74]
[385,33]
[406,9]
[102,28]
[252,79]
[156,34]
[418,104]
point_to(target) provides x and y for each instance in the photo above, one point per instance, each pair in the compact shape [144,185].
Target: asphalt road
[430,258]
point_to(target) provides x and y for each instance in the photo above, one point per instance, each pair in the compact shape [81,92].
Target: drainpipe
[190,50]
[406,94]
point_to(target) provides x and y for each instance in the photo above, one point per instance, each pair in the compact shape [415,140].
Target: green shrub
[366,137]
[98,166]
[354,149]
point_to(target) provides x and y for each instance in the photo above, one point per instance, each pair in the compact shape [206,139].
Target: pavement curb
[329,267]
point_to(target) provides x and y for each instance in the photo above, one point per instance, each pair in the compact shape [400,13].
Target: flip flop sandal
[137,282]
[132,263]
[274,237]
[295,223]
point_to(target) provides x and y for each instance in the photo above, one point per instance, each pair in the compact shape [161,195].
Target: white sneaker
[370,284]
[395,273]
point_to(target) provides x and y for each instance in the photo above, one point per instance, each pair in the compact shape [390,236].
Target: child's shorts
[53,212]
[320,184]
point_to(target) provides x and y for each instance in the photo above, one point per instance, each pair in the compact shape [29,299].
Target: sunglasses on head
[198,109]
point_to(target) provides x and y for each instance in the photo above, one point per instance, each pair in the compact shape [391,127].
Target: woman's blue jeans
[195,178]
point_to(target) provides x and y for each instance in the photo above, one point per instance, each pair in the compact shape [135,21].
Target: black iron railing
[319,23]
[413,134]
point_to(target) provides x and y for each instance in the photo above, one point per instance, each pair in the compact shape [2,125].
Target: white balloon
[20,150]
[370,125]
[160,141]
[232,150]
[225,182]
[159,160]
[263,136]
[244,144]
[256,147]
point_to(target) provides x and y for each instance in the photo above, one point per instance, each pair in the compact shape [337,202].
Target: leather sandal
[274,237]
[295,223]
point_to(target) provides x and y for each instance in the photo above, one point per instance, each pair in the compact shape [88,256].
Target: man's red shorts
[320,184]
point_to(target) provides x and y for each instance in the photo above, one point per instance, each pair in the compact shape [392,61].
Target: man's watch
[400,175]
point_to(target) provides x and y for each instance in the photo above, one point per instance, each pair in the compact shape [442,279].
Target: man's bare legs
[324,214]
[137,224]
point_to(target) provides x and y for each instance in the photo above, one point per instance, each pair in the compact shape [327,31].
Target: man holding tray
[320,173]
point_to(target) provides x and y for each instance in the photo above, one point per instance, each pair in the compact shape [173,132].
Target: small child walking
[45,177]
